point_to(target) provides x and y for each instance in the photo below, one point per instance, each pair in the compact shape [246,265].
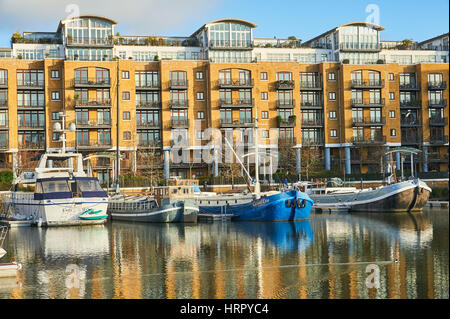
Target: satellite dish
[72,127]
[57,127]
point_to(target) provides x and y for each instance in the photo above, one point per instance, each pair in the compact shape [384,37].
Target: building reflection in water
[324,257]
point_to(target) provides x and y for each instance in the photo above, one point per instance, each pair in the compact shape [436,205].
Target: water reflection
[325,257]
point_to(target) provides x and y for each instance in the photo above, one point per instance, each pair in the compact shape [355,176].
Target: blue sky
[417,20]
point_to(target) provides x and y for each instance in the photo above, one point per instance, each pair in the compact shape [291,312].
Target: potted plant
[345,61]
[156,58]
[380,61]
[75,56]
[47,54]
[19,56]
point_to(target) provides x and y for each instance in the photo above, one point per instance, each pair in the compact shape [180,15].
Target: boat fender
[293,203]
[301,203]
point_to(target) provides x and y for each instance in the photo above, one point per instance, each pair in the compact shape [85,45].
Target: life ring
[301,203]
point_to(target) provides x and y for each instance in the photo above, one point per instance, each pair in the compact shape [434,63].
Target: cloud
[133,16]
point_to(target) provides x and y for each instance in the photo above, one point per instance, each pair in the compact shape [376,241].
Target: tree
[150,164]
[287,157]
[311,158]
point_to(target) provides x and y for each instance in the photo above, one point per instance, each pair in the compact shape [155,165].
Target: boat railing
[131,206]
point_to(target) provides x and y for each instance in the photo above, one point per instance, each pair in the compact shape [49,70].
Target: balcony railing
[287,140]
[312,141]
[93,124]
[92,103]
[91,82]
[180,123]
[311,105]
[182,104]
[366,84]
[286,104]
[241,83]
[31,84]
[437,103]
[361,140]
[148,86]
[411,140]
[437,85]
[237,123]
[284,85]
[410,122]
[438,121]
[377,102]
[409,86]
[438,140]
[290,122]
[354,46]
[437,157]
[246,102]
[106,42]
[230,44]
[32,146]
[149,105]
[151,124]
[313,122]
[179,84]
[3,82]
[413,104]
[28,126]
[4,146]
[369,122]
[94,145]
[311,85]
[150,144]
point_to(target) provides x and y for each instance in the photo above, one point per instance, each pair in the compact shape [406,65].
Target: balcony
[369,140]
[437,158]
[438,121]
[231,44]
[237,124]
[31,85]
[369,122]
[29,146]
[311,85]
[437,85]
[92,124]
[364,47]
[413,104]
[149,105]
[318,141]
[94,146]
[103,103]
[290,122]
[409,87]
[437,103]
[411,140]
[3,104]
[284,85]
[179,104]
[180,123]
[315,105]
[368,102]
[286,104]
[238,103]
[31,126]
[406,122]
[179,84]
[235,84]
[92,82]
[152,86]
[149,125]
[97,42]
[312,123]
[438,140]
[367,84]
[150,145]
[4,146]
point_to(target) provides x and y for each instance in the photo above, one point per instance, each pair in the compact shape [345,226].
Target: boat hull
[408,196]
[163,214]
[281,206]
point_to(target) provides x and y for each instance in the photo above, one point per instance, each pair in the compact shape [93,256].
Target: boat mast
[257,189]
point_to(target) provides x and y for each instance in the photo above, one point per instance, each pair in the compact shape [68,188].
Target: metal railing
[369,139]
[438,121]
[314,122]
[151,85]
[87,82]
[437,103]
[90,41]
[408,86]
[249,102]
[230,44]
[3,103]
[31,125]
[438,139]
[286,103]
[410,122]
[412,103]
[437,85]
[363,46]
[101,102]
[360,83]
[235,83]
[290,122]
[178,84]
[368,102]
[179,103]
[311,84]
[370,121]
[32,146]
[284,84]
[31,84]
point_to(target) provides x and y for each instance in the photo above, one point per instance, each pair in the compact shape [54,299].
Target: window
[200,135]
[393,132]
[199,76]
[392,114]
[126,116]
[55,96]
[391,96]
[284,76]
[126,96]
[264,96]
[265,134]
[55,74]
[333,133]
[55,137]
[125,75]
[264,115]
[200,96]
[391,76]
[126,135]
[55,116]
[201,115]
[263,76]
[332,96]
[332,115]
[331,76]
[146,79]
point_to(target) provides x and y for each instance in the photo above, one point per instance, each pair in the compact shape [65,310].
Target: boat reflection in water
[294,236]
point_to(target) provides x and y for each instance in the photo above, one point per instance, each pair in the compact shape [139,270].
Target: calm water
[325,257]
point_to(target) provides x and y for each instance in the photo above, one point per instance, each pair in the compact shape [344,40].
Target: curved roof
[86,16]
[250,24]
[362,23]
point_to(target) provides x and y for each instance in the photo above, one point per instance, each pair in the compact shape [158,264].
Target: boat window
[89,185]
[55,186]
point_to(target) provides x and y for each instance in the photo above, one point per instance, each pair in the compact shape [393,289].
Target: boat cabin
[173,192]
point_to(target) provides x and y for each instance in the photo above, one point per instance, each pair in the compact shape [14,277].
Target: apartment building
[346,94]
